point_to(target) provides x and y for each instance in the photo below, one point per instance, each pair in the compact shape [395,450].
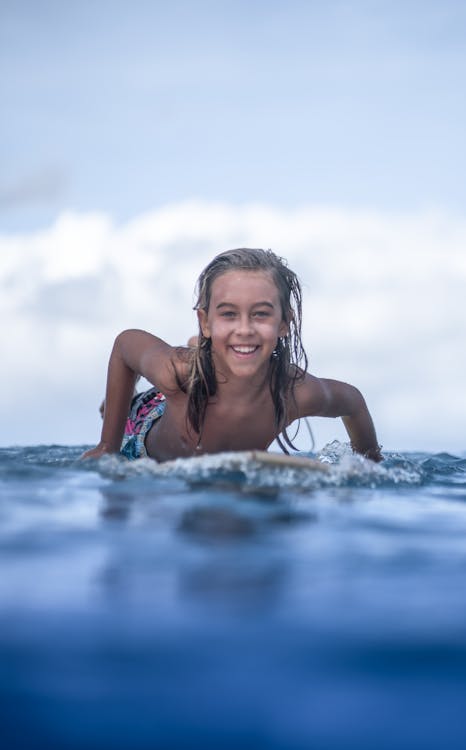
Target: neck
[242,387]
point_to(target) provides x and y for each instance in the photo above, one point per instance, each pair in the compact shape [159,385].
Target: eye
[261,314]
[227,314]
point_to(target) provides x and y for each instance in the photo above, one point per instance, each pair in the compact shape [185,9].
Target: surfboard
[283,460]
[242,461]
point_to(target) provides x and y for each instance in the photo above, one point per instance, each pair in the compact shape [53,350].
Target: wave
[335,466]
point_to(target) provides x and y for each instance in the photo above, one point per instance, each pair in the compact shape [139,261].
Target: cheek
[218,327]
[271,331]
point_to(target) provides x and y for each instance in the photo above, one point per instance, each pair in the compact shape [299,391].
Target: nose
[244,325]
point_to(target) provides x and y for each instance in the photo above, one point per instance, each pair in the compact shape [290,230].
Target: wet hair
[288,362]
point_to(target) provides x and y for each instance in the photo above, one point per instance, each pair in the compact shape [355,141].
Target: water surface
[205,606]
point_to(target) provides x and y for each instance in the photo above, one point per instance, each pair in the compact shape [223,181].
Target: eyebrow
[264,303]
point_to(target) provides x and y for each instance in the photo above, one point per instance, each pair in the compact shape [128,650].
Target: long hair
[288,362]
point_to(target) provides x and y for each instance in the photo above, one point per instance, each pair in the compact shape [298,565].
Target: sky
[140,139]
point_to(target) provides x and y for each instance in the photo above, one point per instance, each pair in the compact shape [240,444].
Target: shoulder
[170,368]
[181,362]
[163,365]
[323,397]
[310,395]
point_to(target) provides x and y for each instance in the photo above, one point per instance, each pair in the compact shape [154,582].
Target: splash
[335,466]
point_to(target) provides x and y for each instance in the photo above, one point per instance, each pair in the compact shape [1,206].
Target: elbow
[341,400]
[123,342]
[123,336]
[119,342]
[356,402]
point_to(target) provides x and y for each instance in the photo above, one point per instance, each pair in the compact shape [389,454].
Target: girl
[240,385]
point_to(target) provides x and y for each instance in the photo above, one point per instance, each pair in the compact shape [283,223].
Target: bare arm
[332,398]
[134,353]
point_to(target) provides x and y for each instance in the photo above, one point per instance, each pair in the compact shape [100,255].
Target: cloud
[384,308]
[42,186]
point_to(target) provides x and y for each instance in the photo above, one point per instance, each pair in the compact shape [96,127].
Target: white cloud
[384,308]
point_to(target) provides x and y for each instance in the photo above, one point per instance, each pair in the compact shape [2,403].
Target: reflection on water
[147,610]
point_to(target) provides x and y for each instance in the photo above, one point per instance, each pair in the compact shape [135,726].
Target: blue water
[214,607]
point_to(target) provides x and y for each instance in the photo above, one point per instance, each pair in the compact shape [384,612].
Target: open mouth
[244,350]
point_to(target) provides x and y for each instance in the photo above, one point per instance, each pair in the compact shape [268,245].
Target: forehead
[244,286]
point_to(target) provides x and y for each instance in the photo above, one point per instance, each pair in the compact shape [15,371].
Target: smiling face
[244,321]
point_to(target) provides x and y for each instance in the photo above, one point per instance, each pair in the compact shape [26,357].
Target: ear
[203,323]
[285,325]
[284,329]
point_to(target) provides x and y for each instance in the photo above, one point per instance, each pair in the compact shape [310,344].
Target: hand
[374,454]
[95,453]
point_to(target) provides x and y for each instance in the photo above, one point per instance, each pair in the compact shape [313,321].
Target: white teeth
[244,349]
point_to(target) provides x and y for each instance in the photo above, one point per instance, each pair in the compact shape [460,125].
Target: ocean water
[211,605]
